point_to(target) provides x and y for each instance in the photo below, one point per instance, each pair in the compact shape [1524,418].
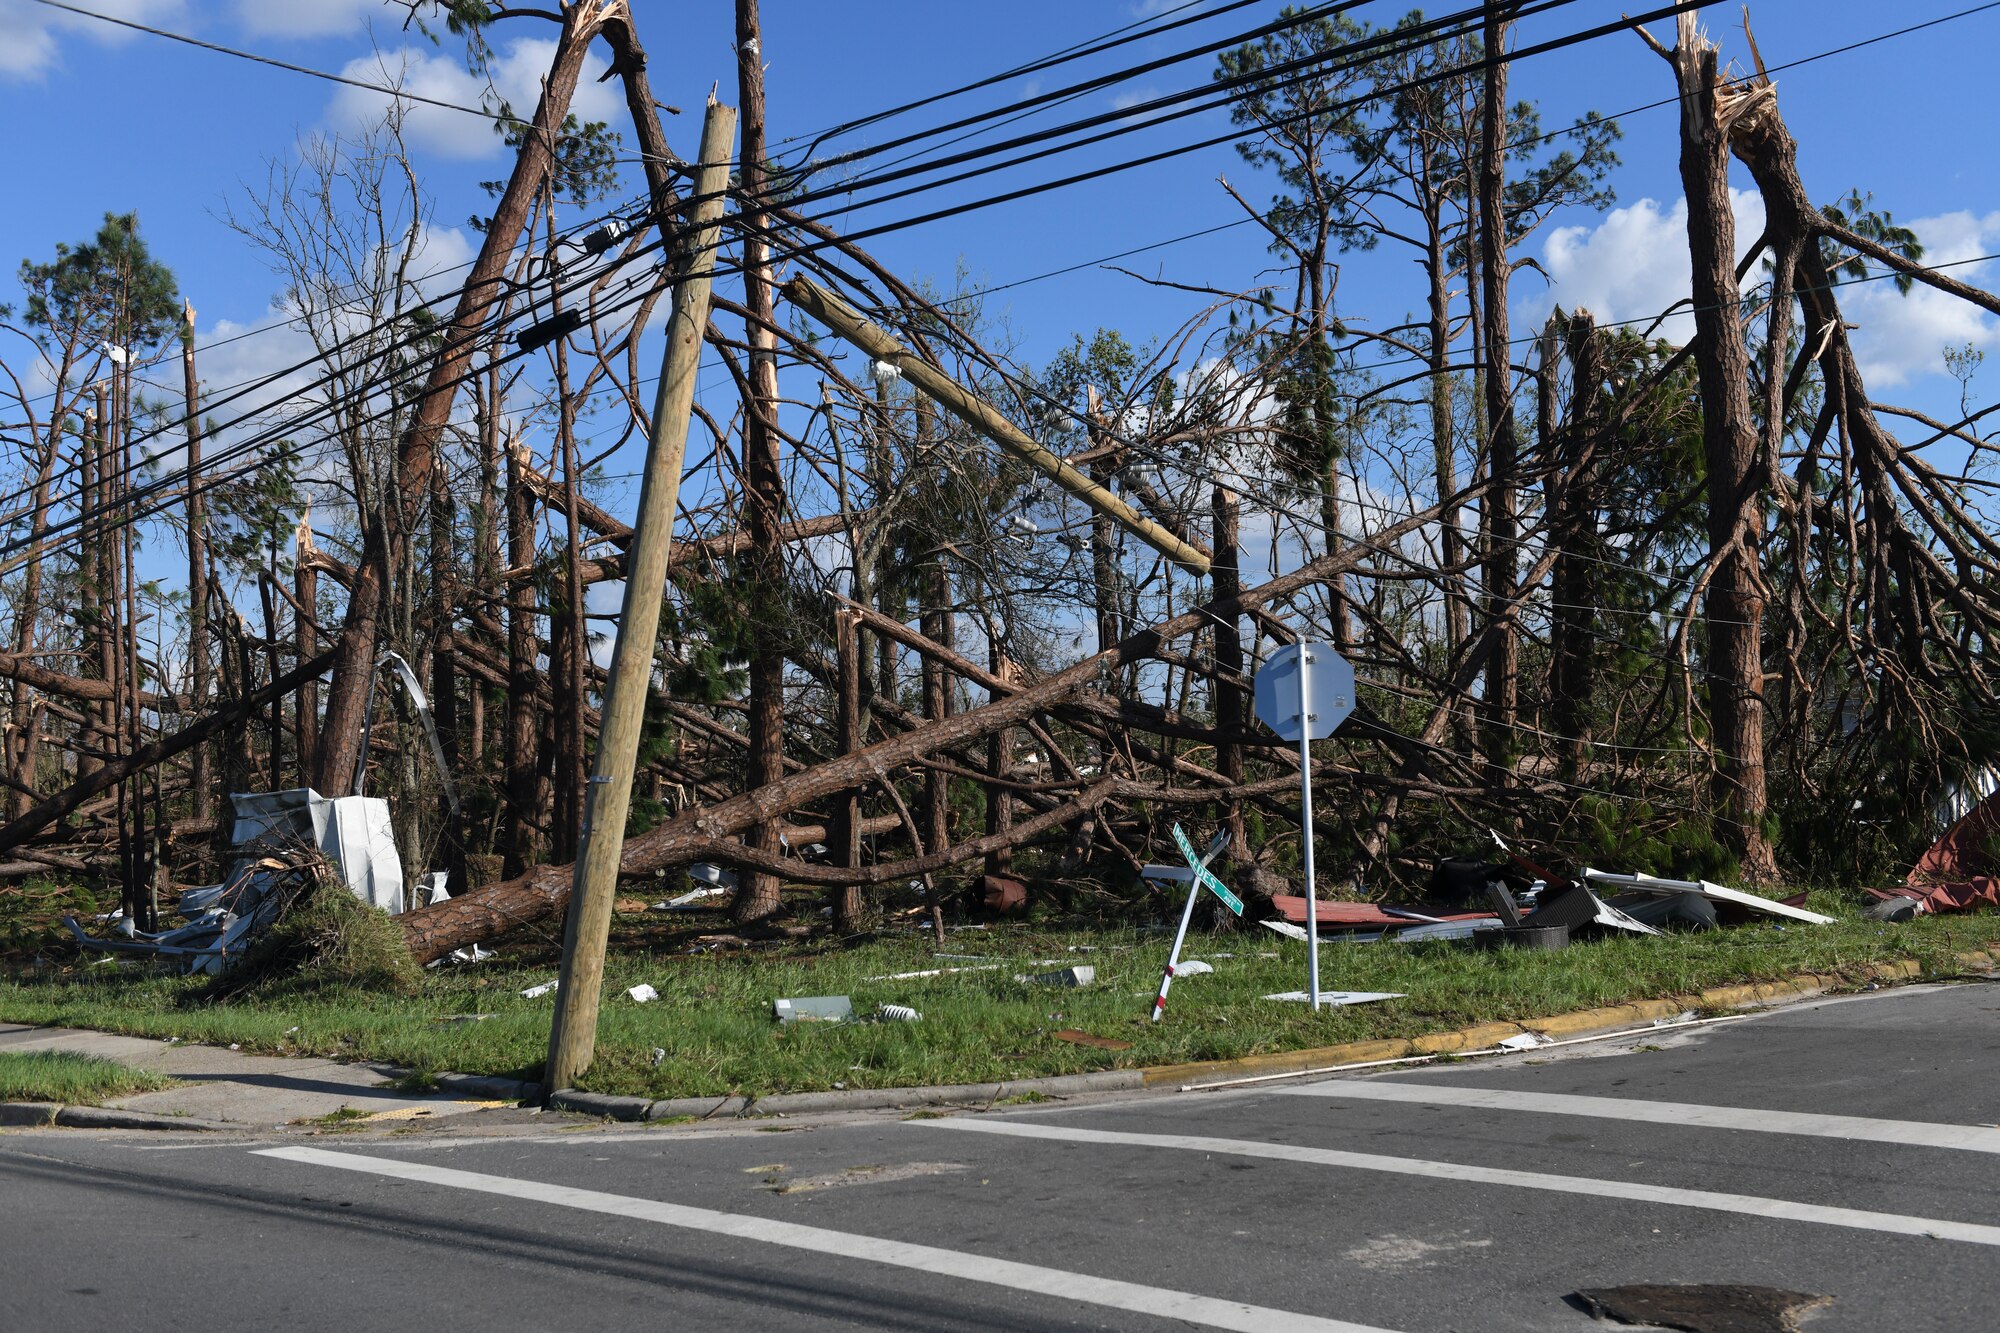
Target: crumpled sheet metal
[1966,895]
[1960,855]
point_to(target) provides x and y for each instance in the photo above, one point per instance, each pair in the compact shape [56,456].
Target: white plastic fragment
[1285,928]
[1527,1041]
[1069,976]
[642,993]
[898,1013]
[933,972]
[1192,967]
[1333,998]
[537,992]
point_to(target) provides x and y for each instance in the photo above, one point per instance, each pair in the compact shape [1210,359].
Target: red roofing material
[1961,853]
[1361,916]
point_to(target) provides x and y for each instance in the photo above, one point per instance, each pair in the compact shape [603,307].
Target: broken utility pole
[983,417]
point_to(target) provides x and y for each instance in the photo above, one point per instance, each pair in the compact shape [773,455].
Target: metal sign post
[1303,692]
[1200,880]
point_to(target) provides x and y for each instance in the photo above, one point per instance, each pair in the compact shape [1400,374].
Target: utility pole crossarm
[983,417]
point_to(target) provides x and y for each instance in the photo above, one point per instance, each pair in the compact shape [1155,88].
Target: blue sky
[116,120]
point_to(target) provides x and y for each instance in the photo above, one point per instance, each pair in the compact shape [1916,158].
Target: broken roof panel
[1714,893]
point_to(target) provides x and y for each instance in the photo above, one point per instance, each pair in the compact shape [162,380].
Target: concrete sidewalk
[256,1091]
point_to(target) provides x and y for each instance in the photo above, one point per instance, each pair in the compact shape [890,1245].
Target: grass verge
[711,1031]
[58,1076]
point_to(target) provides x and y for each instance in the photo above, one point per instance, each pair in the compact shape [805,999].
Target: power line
[275,63]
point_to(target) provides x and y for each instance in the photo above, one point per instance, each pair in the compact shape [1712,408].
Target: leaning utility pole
[573,1037]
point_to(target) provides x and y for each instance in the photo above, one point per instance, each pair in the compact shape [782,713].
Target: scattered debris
[1334,998]
[1962,853]
[1286,928]
[688,900]
[272,833]
[1069,976]
[659,1056]
[454,1020]
[1732,905]
[814,1009]
[537,992]
[1527,1041]
[934,972]
[643,993]
[1003,896]
[1534,937]
[1903,902]
[1191,967]
[1078,1037]
[1702,1308]
[898,1013]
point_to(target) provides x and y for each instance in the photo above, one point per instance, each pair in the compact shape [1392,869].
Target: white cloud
[29,33]
[1630,266]
[1634,264]
[518,72]
[311,18]
[1902,338]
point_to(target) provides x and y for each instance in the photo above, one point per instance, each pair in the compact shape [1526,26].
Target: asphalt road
[1844,1149]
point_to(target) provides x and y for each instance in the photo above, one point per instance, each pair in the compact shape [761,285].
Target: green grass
[58,1076]
[713,1018]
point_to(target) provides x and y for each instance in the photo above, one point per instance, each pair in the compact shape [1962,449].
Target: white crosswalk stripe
[1208,1311]
[1920,1133]
[1783,1209]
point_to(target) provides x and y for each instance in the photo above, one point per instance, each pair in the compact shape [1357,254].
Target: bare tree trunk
[1229,710]
[305,588]
[1502,691]
[1736,480]
[347,696]
[999,754]
[567,630]
[764,483]
[936,624]
[199,673]
[1573,520]
[521,841]
[24,731]
[846,831]
[1444,441]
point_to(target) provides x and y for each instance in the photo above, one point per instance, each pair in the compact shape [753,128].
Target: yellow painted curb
[1482,1036]
[1281,1062]
[1611,1016]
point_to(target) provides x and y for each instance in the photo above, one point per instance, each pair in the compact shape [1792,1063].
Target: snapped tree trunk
[1734,607]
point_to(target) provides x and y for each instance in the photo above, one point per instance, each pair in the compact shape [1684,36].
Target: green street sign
[1202,875]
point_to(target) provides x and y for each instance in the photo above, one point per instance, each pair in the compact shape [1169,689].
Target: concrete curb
[41,1115]
[1486,1035]
[844,1099]
[488,1085]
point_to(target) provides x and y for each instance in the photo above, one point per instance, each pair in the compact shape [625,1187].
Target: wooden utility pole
[573,1036]
[197,546]
[763,481]
[985,418]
